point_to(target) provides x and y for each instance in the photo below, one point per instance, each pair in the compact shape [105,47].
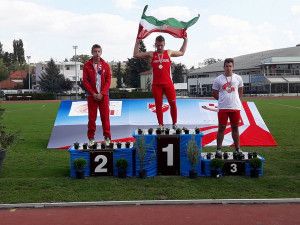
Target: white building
[66,68]
[273,71]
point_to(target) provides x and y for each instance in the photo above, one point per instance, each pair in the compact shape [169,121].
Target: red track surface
[208,214]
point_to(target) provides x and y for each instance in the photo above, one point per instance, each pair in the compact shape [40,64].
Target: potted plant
[216,166]
[150,130]
[85,146]
[178,131]
[6,139]
[76,145]
[193,153]
[197,130]
[225,155]
[79,165]
[255,164]
[127,144]
[185,130]
[122,165]
[250,155]
[111,145]
[119,145]
[140,131]
[141,150]
[208,155]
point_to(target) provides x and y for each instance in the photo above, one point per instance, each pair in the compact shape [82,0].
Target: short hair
[96,46]
[159,39]
[228,60]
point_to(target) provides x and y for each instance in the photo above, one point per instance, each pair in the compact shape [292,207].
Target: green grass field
[32,173]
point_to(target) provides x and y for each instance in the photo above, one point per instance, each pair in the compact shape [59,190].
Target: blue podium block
[236,167]
[150,161]
[76,154]
[185,165]
[129,155]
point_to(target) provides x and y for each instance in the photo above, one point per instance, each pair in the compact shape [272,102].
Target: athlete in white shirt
[228,90]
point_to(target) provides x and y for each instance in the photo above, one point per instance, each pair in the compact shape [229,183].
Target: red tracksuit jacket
[89,77]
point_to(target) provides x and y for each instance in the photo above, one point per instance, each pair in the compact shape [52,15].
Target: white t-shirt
[228,91]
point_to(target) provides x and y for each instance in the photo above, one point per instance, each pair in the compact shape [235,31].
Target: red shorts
[233,115]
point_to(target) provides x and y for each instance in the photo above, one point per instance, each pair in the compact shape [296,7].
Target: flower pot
[102,145]
[150,131]
[84,146]
[178,131]
[111,145]
[80,174]
[158,131]
[94,146]
[119,145]
[208,155]
[142,174]
[186,131]
[197,130]
[193,174]
[2,156]
[76,145]
[167,131]
[250,155]
[121,172]
[140,131]
[127,144]
[225,155]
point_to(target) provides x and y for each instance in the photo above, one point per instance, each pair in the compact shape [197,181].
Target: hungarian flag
[149,24]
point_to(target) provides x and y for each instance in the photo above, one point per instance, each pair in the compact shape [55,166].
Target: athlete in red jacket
[162,78]
[96,80]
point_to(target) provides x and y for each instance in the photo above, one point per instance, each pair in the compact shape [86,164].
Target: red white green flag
[150,24]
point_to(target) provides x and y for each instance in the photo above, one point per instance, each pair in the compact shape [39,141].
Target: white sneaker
[107,141]
[91,142]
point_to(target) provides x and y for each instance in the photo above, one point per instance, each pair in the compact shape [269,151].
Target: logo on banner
[81,109]
[152,107]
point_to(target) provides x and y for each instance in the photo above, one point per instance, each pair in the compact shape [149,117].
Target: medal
[160,66]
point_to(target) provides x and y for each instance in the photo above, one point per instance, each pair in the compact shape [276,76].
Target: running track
[204,214]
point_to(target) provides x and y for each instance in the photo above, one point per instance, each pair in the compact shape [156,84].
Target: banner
[129,114]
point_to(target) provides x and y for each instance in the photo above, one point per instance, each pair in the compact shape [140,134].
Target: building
[273,71]
[14,80]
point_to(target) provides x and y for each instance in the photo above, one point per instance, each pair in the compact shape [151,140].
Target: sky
[226,28]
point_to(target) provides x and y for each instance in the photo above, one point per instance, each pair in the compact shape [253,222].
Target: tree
[3,70]
[1,50]
[80,58]
[178,70]
[148,84]
[134,67]
[118,72]
[18,52]
[52,81]
[209,61]
[26,81]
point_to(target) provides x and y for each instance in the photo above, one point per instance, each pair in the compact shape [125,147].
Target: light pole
[75,48]
[28,58]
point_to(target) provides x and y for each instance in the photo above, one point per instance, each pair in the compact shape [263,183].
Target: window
[67,67]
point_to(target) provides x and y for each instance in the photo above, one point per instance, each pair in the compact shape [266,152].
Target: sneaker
[107,141]
[91,142]
[238,150]
[174,127]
